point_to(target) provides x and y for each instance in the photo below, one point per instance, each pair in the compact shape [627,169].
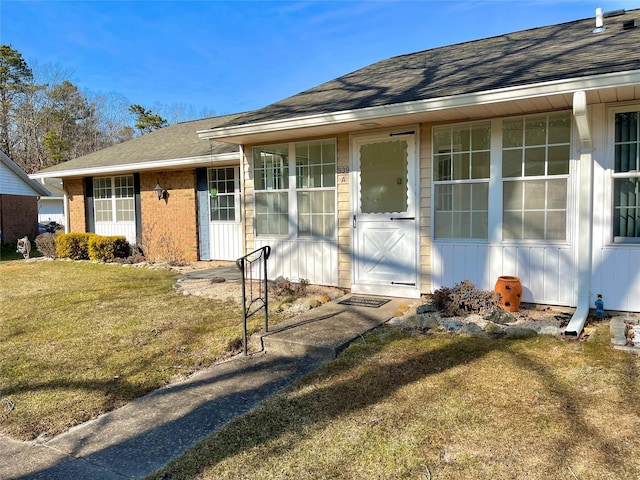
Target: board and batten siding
[546,272]
[225,240]
[616,267]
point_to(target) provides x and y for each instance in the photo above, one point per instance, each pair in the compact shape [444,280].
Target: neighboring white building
[18,202]
[51,208]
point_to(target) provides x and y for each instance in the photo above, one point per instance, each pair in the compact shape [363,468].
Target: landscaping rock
[452,325]
[426,308]
[519,333]
[471,328]
[426,321]
[500,316]
[314,303]
[300,307]
[494,329]
[550,330]
[395,321]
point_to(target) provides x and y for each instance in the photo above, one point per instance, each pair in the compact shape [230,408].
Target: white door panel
[384,226]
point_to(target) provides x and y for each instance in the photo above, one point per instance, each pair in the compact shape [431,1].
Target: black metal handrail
[254,265]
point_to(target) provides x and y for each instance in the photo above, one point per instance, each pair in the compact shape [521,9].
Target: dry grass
[441,407]
[78,339]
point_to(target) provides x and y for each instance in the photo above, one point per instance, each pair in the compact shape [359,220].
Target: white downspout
[584,240]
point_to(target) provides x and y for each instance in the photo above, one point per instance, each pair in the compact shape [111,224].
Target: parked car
[50,227]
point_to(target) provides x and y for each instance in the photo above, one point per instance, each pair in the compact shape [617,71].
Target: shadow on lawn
[295,415]
[166,440]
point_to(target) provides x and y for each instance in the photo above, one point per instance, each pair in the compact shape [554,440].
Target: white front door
[385,255]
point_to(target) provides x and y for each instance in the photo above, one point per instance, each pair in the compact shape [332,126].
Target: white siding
[616,267]
[11,184]
[51,210]
[616,275]
[226,241]
[546,272]
[315,261]
[126,229]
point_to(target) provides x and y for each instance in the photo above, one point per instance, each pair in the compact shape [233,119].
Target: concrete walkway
[143,436]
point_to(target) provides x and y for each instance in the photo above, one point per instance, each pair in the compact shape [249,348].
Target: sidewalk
[143,436]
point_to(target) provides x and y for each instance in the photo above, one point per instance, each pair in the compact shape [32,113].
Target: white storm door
[225,229]
[384,226]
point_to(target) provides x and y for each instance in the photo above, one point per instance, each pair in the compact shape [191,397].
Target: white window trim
[496,180]
[236,194]
[292,195]
[489,181]
[113,198]
[610,175]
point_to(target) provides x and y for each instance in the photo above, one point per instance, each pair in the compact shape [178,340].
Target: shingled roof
[174,142]
[565,51]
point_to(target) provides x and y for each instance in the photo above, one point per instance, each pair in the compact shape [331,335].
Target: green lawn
[78,339]
[437,406]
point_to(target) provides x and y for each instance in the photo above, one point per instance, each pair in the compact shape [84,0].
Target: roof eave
[173,164]
[557,87]
[22,175]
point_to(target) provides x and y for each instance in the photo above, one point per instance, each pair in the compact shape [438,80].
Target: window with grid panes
[222,188]
[535,170]
[271,189]
[461,159]
[114,199]
[315,188]
[626,178]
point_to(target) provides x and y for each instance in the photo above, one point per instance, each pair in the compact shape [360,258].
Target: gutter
[173,164]
[584,241]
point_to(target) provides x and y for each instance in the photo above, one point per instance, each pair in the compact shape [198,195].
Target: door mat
[364,302]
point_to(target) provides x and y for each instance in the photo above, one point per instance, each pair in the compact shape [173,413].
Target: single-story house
[174,195]
[18,202]
[511,155]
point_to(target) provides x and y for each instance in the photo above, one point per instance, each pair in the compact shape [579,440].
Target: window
[315,185]
[271,183]
[222,193]
[626,178]
[113,198]
[461,180]
[306,202]
[535,170]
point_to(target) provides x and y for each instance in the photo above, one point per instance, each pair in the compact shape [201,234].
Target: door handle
[354,221]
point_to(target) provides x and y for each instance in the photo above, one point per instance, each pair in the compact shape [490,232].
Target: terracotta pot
[510,290]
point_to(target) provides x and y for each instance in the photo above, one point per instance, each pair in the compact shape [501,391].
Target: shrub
[137,256]
[107,249]
[463,299]
[46,245]
[73,245]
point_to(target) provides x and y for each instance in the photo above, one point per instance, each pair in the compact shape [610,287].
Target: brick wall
[169,228]
[18,217]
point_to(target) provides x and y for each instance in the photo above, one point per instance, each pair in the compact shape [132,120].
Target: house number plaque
[342,171]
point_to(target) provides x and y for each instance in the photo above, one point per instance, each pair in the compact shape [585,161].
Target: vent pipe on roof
[599,21]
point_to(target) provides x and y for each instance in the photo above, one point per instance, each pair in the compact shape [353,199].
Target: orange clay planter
[510,290]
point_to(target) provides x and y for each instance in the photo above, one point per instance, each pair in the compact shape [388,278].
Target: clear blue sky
[234,56]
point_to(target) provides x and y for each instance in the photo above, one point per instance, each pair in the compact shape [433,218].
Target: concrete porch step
[322,333]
